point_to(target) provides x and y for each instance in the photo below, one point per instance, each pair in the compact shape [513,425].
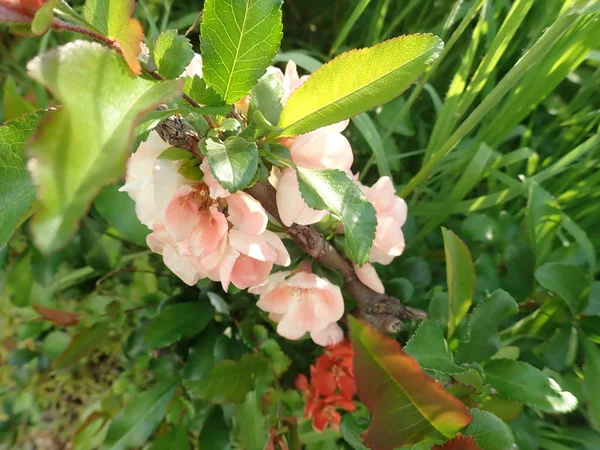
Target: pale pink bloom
[139,181]
[247,271]
[368,276]
[322,149]
[391,215]
[264,247]
[194,67]
[168,184]
[330,335]
[301,303]
[207,236]
[292,207]
[215,189]
[246,213]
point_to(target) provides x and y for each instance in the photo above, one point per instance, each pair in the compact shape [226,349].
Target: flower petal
[246,213]
[368,275]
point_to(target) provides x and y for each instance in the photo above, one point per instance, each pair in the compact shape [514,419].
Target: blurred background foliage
[521,188]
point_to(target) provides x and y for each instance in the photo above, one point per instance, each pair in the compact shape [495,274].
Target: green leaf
[113,19]
[460,276]
[519,381]
[265,97]
[201,356]
[82,344]
[118,209]
[135,423]
[13,104]
[334,191]
[174,439]
[177,321]
[356,81]
[490,432]
[280,362]
[233,163]
[239,40]
[561,350]
[16,188]
[249,424]
[407,406]
[229,381]
[215,434]
[566,281]
[591,381]
[544,220]
[172,53]
[43,17]
[197,89]
[55,343]
[430,349]
[485,319]
[84,145]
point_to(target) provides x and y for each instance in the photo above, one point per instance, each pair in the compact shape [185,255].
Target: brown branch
[381,311]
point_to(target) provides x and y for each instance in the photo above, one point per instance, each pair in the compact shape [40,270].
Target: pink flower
[391,215]
[330,335]
[194,67]
[301,303]
[323,149]
[368,276]
[246,213]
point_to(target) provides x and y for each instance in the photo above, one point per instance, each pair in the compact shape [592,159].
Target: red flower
[324,411]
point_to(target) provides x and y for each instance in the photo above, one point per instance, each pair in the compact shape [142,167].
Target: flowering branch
[381,311]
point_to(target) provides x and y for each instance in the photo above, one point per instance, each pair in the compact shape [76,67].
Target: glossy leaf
[197,89]
[407,406]
[81,345]
[544,220]
[561,349]
[177,321]
[265,97]
[430,349]
[215,434]
[566,281]
[57,316]
[172,53]
[519,381]
[68,177]
[490,432]
[334,191]
[460,276]
[233,163]
[356,81]
[484,321]
[113,19]
[239,40]
[591,381]
[136,422]
[229,381]
[16,188]
[460,442]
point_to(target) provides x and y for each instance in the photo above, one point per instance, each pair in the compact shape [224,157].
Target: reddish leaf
[407,405]
[57,316]
[113,19]
[460,442]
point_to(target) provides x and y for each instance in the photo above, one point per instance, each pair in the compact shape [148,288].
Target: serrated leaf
[490,432]
[460,276]
[172,53]
[357,81]
[229,381]
[484,321]
[84,145]
[135,423]
[113,19]
[202,94]
[233,162]
[407,406]
[280,362]
[566,281]
[16,188]
[430,349]
[249,423]
[519,381]
[460,442]
[334,191]
[82,344]
[591,381]
[265,97]
[239,40]
[177,321]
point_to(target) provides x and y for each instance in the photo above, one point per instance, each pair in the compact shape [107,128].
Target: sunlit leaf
[233,162]
[490,432]
[172,53]
[356,81]
[566,281]
[407,406]
[84,145]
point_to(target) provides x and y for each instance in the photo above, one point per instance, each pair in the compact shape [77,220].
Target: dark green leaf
[249,425]
[485,319]
[561,349]
[544,218]
[197,89]
[82,344]
[519,381]
[201,356]
[229,381]
[566,281]
[591,381]
[84,145]
[135,423]
[172,53]
[490,432]
[239,40]
[215,434]
[232,163]
[177,321]
[333,190]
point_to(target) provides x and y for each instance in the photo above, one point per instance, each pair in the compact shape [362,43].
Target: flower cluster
[204,231]
[331,386]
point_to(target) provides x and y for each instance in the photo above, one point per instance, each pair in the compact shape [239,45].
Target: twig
[381,311]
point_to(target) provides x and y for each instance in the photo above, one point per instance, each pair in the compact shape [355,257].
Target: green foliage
[67,185]
[172,53]
[233,162]
[239,40]
[333,190]
[490,432]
